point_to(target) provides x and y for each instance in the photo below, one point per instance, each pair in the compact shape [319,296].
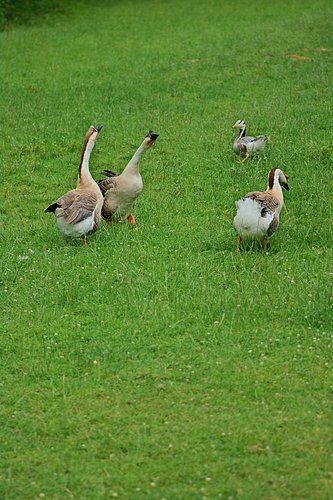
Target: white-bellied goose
[258,212]
[121,190]
[246,144]
[79,211]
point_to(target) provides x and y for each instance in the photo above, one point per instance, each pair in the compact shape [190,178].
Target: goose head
[276,174]
[283,180]
[150,139]
[93,132]
[239,124]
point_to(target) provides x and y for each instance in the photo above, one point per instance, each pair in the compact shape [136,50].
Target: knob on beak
[152,135]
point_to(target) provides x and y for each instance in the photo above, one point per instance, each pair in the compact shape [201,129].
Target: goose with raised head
[121,190]
[246,144]
[258,212]
[78,212]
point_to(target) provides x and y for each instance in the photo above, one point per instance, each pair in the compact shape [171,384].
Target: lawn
[157,363]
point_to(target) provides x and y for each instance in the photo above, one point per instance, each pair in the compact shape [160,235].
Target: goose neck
[134,163]
[242,133]
[85,176]
[276,189]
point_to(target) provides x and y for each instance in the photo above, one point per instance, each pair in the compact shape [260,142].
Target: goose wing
[249,139]
[266,200]
[110,173]
[109,183]
[75,205]
[273,225]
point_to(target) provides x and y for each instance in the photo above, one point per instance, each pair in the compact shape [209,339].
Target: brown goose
[79,211]
[121,190]
[258,212]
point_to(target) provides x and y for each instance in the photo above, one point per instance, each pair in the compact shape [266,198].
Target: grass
[157,363]
[13,12]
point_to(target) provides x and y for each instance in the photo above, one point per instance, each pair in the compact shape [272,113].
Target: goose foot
[131,219]
[246,157]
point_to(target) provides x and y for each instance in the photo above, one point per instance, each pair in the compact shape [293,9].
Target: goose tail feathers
[109,173]
[250,222]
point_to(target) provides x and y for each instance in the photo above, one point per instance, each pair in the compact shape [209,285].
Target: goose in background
[79,211]
[246,144]
[121,190]
[258,212]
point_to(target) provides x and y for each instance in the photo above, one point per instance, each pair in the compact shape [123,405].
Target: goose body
[246,144]
[258,212]
[252,221]
[77,229]
[78,211]
[121,190]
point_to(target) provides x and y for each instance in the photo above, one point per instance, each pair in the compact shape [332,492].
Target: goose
[258,212]
[247,144]
[79,211]
[121,190]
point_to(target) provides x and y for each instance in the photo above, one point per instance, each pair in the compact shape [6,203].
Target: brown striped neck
[86,139]
[84,175]
[273,185]
[271,179]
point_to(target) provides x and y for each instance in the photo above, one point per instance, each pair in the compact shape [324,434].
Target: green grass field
[156,363]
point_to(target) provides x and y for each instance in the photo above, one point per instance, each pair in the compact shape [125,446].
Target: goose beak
[97,128]
[234,126]
[152,135]
[286,186]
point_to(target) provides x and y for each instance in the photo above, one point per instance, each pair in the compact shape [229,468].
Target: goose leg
[246,157]
[238,243]
[265,245]
[107,222]
[84,240]
[131,219]
[67,243]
